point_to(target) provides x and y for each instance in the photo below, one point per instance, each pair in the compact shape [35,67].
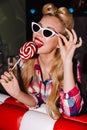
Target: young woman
[48,77]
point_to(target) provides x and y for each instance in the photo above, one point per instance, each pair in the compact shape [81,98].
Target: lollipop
[26,52]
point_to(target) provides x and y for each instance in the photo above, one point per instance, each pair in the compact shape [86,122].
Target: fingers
[62,37]
[6,77]
[79,42]
[70,34]
[60,42]
[72,38]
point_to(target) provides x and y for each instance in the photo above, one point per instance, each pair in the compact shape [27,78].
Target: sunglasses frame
[42,29]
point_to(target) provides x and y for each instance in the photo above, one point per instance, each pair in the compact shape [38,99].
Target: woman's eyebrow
[48,27]
[40,24]
[52,29]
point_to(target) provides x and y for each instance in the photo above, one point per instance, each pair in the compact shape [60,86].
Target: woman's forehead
[51,21]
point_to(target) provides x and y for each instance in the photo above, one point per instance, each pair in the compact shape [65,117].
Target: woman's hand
[10,84]
[68,47]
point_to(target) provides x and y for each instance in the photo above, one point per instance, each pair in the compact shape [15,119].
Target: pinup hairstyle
[62,13]
[66,19]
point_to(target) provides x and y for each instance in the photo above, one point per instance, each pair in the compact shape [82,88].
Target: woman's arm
[11,85]
[67,51]
[70,98]
[71,103]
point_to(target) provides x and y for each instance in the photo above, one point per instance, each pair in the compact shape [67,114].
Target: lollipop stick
[15,65]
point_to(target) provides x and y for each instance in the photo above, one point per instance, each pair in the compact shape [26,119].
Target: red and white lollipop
[26,52]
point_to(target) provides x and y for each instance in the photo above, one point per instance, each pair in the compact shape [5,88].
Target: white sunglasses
[47,33]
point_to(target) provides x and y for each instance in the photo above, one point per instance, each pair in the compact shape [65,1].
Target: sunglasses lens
[36,28]
[47,33]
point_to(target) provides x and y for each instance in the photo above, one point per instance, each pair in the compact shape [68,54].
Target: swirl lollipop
[26,52]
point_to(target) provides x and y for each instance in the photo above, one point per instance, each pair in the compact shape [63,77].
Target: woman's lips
[38,42]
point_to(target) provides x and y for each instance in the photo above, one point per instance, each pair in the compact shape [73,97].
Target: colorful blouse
[70,103]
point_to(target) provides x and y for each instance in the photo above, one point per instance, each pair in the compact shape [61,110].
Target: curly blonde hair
[66,18]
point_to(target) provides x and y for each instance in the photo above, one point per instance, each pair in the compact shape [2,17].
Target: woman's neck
[46,63]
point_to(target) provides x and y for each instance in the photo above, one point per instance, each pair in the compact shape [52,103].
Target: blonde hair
[66,18]
[62,13]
